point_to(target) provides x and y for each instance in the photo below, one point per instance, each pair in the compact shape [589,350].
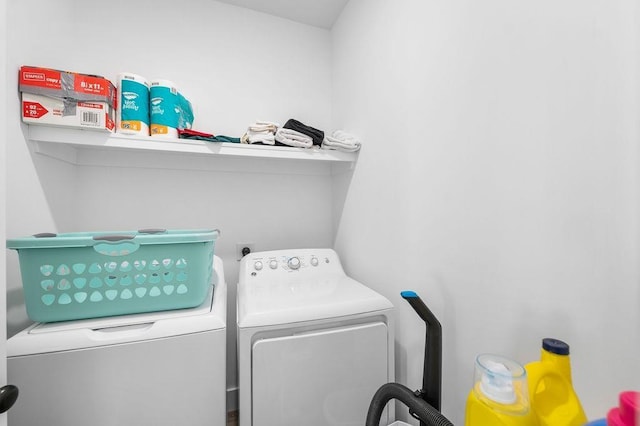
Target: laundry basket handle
[152,231]
[115,245]
[45,235]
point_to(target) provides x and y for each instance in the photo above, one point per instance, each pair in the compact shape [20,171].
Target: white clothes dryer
[314,345]
[153,369]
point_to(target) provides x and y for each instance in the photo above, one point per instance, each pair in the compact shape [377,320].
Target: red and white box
[60,98]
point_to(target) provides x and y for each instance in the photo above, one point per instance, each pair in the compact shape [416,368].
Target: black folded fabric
[315,134]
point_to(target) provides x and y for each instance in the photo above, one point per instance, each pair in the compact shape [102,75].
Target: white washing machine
[155,369]
[314,345]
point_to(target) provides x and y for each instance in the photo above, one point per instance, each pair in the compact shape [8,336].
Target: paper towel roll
[132,116]
[165,109]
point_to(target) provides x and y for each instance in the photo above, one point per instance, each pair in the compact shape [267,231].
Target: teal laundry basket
[89,275]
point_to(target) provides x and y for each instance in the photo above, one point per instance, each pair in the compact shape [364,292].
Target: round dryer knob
[257,265]
[273,264]
[294,263]
[314,261]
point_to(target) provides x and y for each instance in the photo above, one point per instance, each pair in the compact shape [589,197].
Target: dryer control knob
[294,263]
[257,265]
[314,261]
[273,264]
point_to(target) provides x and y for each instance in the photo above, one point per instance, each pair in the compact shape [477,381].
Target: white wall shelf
[95,148]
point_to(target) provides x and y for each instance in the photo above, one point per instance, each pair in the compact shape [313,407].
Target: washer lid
[290,301]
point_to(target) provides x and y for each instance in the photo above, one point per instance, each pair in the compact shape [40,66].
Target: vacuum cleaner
[423,404]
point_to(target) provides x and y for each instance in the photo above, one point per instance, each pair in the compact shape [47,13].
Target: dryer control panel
[280,263]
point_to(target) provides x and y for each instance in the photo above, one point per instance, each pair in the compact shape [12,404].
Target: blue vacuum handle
[422,310]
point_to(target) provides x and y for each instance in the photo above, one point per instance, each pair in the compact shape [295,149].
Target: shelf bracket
[66,153]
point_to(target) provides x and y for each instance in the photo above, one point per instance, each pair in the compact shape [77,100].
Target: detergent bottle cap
[497,377]
[555,346]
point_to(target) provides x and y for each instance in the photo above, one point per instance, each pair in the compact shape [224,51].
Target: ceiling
[318,13]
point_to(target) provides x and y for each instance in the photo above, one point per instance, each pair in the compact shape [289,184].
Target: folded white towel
[265,138]
[342,141]
[293,138]
[261,132]
[295,135]
[326,144]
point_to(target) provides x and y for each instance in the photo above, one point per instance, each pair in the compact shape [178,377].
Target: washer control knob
[314,261]
[294,263]
[273,264]
[257,265]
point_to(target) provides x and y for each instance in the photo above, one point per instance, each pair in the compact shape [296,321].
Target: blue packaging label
[134,102]
[165,108]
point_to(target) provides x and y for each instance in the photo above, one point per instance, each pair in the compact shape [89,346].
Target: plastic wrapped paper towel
[132,116]
[170,110]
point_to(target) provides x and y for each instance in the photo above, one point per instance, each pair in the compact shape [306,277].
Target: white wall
[236,66]
[498,179]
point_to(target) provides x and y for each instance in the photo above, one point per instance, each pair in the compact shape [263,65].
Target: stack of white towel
[292,137]
[341,141]
[268,133]
[261,132]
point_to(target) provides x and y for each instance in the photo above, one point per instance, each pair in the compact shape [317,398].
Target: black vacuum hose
[417,406]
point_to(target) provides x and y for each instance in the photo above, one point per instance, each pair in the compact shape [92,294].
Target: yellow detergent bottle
[500,395]
[553,398]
